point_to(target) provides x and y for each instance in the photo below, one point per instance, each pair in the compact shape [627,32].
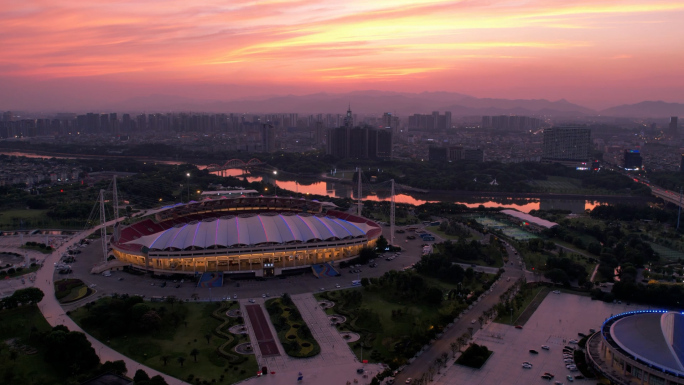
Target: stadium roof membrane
[250,230]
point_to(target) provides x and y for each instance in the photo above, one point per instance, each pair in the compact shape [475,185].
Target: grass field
[666,253]
[150,348]
[27,368]
[435,230]
[401,326]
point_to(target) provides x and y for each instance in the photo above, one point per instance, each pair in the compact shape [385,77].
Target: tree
[140,376]
[180,360]
[208,337]
[118,367]
[28,296]
[194,353]
[157,380]
[381,243]
[165,359]
[557,276]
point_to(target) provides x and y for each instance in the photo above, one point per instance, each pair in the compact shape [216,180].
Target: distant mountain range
[401,103]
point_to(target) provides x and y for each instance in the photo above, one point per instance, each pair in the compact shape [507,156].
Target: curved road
[55,315]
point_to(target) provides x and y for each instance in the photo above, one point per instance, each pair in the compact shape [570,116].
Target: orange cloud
[327,42]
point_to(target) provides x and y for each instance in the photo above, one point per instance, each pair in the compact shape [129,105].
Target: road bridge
[235,163]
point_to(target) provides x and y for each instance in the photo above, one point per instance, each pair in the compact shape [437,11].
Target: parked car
[572,341]
[570,378]
[518,326]
[534,351]
[545,347]
[544,376]
[549,374]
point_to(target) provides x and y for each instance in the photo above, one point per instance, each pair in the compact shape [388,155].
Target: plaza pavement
[559,318]
[335,365]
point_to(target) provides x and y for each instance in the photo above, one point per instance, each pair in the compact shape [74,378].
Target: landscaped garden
[71,290]
[293,333]
[190,341]
[397,314]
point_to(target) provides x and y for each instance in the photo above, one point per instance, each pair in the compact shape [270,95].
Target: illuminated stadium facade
[249,236]
[640,347]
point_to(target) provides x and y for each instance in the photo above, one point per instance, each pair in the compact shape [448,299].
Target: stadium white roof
[250,230]
[530,218]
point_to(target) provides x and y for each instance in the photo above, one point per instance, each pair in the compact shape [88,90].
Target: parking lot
[122,282]
[559,318]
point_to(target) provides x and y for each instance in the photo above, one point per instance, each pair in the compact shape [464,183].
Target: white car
[527,366]
[556,292]
[409,380]
[545,347]
[263,296]
[338,286]
[572,341]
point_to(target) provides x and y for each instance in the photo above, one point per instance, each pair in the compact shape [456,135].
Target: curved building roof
[251,229]
[656,338]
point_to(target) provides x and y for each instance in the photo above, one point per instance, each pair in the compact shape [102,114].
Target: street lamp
[188,175]
[275,183]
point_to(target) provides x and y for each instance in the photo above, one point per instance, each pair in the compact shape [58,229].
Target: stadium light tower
[275,183]
[188,175]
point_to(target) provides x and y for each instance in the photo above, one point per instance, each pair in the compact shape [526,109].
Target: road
[442,345]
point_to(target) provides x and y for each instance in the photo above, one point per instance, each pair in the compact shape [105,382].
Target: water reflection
[382,193]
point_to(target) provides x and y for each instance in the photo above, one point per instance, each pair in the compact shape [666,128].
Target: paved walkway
[335,365]
[55,315]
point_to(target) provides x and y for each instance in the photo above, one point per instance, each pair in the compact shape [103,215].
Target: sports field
[510,230]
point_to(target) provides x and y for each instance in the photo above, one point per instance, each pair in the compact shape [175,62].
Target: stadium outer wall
[257,260]
[607,358]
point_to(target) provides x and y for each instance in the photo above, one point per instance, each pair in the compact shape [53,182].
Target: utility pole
[392,202]
[103,228]
[115,197]
[360,203]
[679,212]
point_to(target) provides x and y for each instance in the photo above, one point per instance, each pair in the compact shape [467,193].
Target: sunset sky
[599,53]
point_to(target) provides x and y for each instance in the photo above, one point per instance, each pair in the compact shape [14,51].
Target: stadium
[640,347]
[244,237]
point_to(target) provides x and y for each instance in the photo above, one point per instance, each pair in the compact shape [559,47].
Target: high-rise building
[7,116]
[474,155]
[349,119]
[437,154]
[632,160]
[566,144]
[268,138]
[384,143]
[674,122]
[359,142]
[681,165]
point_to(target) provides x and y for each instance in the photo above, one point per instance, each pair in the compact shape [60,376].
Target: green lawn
[26,219]
[400,329]
[293,333]
[23,271]
[666,253]
[37,248]
[437,231]
[179,342]
[27,368]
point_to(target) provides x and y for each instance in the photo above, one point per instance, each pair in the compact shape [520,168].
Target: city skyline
[597,54]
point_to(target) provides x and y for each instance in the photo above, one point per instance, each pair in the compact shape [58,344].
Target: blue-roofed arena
[640,347]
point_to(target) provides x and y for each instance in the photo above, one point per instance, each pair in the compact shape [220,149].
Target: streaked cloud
[327,43]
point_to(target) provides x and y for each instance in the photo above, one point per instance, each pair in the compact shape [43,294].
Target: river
[346,190]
